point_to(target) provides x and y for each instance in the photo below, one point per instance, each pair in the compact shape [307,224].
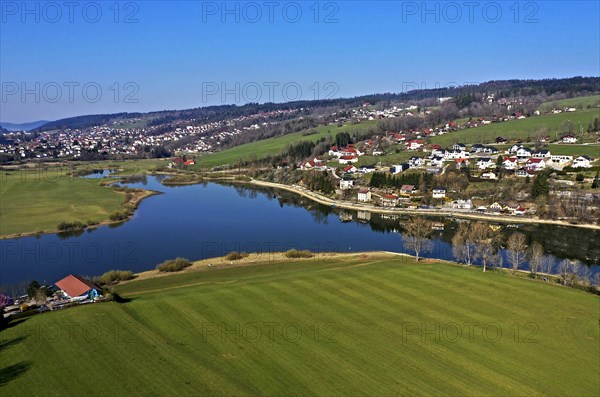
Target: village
[428,162]
[131,137]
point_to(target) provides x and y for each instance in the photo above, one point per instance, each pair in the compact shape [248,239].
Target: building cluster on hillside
[124,138]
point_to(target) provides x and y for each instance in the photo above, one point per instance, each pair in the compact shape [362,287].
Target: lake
[209,220]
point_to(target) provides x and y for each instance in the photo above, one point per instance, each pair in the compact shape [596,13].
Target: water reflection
[208,220]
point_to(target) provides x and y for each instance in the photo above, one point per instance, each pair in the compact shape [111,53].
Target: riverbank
[264,258]
[406,211]
[181,180]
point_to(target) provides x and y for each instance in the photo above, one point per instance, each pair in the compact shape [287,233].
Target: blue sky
[97,58]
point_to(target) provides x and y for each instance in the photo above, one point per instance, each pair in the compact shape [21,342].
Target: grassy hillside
[578,102]
[275,145]
[354,326]
[33,201]
[518,129]
[576,150]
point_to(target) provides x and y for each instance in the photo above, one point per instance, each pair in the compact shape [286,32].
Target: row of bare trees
[480,242]
[476,242]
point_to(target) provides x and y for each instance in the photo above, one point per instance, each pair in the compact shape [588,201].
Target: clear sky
[60,60]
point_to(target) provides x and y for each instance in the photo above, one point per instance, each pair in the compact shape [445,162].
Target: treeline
[504,88]
[512,88]
[80,122]
[320,181]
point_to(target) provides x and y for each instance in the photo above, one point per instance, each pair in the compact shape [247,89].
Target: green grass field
[361,326]
[576,150]
[518,129]
[578,102]
[34,200]
[276,145]
[124,167]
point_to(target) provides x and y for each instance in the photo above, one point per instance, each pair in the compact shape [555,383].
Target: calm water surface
[208,220]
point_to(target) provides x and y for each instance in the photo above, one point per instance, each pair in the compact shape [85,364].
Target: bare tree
[485,244]
[546,265]
[463,244]
[582,273]
[416,236]
[517,250]
[536,252]
[565,269]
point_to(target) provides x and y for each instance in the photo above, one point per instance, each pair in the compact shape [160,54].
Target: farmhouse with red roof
[76,287]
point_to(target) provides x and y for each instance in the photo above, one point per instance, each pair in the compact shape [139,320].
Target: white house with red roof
[408,189]
[350,169]
[348,159]
[535,164]
[76,287]
[510,163]
[415,144]
[313,165]
[389,200]
[364,195]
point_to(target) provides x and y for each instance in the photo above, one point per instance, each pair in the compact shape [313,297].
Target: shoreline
[264,258]
[316,197]
[136,201]
[323,200]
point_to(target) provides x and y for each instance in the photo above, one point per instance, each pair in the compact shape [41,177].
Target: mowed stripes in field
[316,327]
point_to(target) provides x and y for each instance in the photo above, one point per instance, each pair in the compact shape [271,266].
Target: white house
[489,150]
[348,159]
[389,200]
[456,154]
[516,209]
[366,169]
[477,148]
[496,207]
[350,169]
[346,183]
[582,162]
[364,195]
[561,159]
[462,204]
[542,154]
[414,145]
[510,163]
[459,146]
[523,153]
[534,164]
[485,162]
[569,139]
[522,173]
[438,192]
[513,149]
[438,153]
[398,168]
[489,175]
[416,162]
[437,161]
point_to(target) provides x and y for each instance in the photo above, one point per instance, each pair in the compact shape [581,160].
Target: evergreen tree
[541,185]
